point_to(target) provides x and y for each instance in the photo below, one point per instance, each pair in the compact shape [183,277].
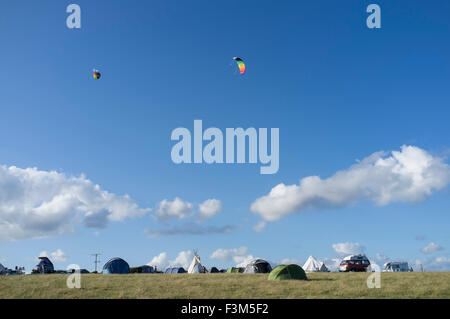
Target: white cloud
[239,256]
[209,208]
[176,209]
[332,263]
[56,256]
[36,204]
[409,175]
[183,259]
[243,261]
[260,226]
[382,259]
[344,249]
[162,261]
[441,263]
[288,261]
[189,229]
[431,248]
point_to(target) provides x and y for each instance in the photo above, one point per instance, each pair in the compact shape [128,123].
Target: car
[396,266]
[353,263]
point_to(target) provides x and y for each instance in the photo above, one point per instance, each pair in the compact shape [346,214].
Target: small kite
[97,74]
[240,64]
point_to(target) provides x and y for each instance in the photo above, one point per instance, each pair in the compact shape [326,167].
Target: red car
[355,263]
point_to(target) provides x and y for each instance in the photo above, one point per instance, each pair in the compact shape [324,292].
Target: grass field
[319,285]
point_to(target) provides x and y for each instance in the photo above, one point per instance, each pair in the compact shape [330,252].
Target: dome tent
[116,266]
[145,269]
[175,270]
[288,272]
[235,270]
[258,266]
[214,270]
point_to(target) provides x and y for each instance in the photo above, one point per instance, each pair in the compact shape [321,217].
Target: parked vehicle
[355,263]
[397,266]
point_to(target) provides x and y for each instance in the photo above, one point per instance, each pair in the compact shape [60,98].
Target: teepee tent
[196,266]
[313,265]
[323,268]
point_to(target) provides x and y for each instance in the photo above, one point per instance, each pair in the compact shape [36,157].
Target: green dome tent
[288,272]
[235,270]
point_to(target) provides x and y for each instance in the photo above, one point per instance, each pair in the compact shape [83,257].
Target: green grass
[319,285]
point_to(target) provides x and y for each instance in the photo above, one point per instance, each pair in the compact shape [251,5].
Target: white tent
[313,265]
[196,266]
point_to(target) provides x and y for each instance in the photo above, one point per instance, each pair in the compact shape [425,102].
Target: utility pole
[96,262]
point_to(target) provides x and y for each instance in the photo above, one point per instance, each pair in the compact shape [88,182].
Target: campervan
[396,266]
[355,263]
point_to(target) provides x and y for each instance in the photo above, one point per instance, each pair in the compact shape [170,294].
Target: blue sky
[336,90]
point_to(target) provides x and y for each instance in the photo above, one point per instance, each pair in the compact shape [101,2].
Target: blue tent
[45,266]
[175,270]
[116,266]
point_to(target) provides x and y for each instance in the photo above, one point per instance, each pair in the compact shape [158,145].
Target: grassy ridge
[319,285]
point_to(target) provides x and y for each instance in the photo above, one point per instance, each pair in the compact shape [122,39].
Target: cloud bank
[408,175]
[36,204]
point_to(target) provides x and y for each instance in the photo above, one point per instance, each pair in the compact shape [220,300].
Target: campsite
[257,280]
[226,286]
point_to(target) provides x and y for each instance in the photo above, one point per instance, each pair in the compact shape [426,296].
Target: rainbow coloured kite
[240,64]
[97,74]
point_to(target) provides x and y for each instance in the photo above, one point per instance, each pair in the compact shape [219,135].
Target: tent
[313,265]
[145,269]
[175,270]
[116,266]
[196,266]
[258,266]
[288,272]
[2,269]
[45,266]
[214,270]
[235,270]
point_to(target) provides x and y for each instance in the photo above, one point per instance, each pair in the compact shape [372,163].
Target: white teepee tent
[196,266]
[313,265]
